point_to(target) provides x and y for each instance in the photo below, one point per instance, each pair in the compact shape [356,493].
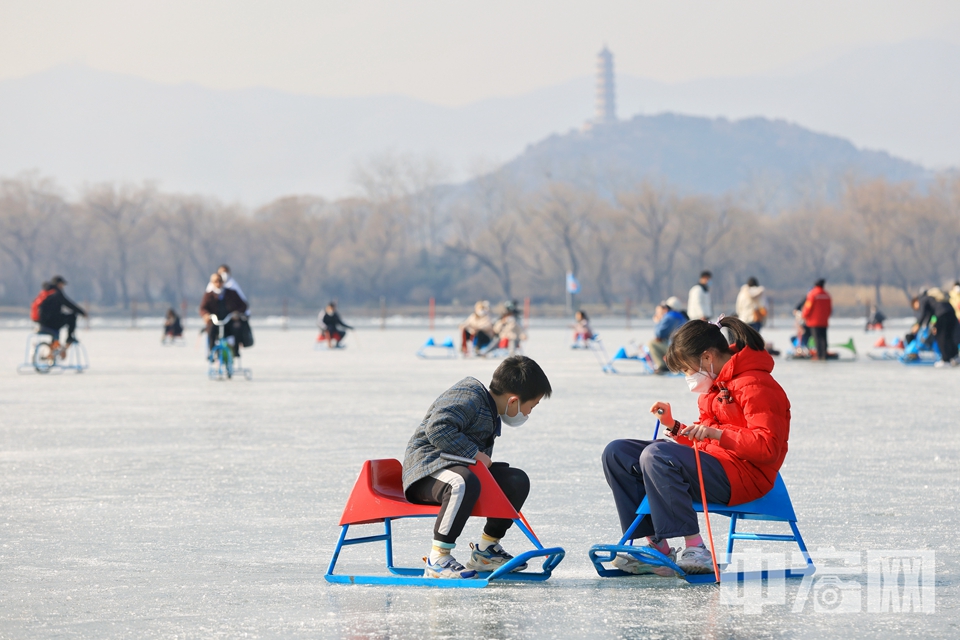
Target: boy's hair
[706,274]
[696,336]
[522,376]
[820,283]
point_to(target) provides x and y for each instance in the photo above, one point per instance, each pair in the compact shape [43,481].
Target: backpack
[35,306]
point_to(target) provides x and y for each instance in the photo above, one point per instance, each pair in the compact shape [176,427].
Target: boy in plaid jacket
[464,422]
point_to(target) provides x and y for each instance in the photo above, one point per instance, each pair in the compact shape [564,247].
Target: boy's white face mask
[514,420]
[701,381]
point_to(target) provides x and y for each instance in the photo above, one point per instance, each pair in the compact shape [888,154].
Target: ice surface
[139,499]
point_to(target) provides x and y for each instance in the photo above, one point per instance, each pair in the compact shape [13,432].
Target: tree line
[408,238]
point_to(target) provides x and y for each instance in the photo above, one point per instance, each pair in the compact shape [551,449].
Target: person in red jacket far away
[743,428]
[816,315]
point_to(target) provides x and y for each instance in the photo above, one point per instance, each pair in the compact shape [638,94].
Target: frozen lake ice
[140,499]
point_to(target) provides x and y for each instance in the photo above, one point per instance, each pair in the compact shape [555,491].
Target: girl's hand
[699,432]
[484,458]
[663,413]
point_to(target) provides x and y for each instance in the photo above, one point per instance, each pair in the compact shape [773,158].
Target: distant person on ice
[668,319]
[465,421]
[477,329]
[52,314]
[225,304]
[508,329]
[333,329]
[928,305]
[230,283]
[816,312]
[172,327]
[875,319]
[698,301]
[752,304]
[244,332]
[743,426]
[582,333]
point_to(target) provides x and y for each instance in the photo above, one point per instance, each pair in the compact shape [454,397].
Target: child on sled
[742,434]
[462,423]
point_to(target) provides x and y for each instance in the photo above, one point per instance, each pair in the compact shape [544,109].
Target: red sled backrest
[378,494]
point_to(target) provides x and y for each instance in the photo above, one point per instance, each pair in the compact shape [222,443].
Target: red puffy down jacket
[754,414]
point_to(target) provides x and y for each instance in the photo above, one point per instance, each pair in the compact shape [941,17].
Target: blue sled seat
[775,506]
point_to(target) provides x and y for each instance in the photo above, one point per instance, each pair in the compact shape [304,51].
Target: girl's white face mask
[701,381]
[513,421]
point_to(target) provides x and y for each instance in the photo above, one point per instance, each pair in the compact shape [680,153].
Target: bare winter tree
[488,231]
[300,233]
[124,215]
[562,213]
[31,213]
[877,208]
[654,216]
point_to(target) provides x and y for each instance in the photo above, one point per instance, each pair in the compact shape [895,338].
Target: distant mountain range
[771,163]
[80,125]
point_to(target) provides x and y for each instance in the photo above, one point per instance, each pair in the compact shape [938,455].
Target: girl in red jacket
[743,428]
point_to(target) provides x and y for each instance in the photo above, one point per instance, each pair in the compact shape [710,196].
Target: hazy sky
[447,52]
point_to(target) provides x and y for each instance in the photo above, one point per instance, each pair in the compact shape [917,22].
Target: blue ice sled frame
[431,350]
[922,355]
[643,359]
[77,360]
[774,506]
[621,354]
[378,496]
[916,353]
[413,576]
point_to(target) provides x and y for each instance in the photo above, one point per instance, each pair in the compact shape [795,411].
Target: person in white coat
[752,304]
[698,302]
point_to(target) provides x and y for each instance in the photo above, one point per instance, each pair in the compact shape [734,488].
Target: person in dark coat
[52,315]
[333,328]
[927,308]
[222,303]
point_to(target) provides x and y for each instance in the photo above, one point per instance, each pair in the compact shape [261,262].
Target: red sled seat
[377,496]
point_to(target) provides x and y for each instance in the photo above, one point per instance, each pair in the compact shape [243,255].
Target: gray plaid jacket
[462,421]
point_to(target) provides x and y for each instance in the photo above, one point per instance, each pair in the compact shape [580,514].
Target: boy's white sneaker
[628,564]
[696,560]
[446,567]
[490,559]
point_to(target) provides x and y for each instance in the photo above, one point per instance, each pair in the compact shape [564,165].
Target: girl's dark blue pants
[666,473]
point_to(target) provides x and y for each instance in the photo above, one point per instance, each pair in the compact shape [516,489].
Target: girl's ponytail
[696,336]
[743,334]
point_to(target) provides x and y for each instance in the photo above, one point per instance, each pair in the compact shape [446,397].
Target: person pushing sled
[461,426]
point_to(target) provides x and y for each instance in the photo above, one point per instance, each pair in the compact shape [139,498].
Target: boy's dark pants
[457,490]
[666,473]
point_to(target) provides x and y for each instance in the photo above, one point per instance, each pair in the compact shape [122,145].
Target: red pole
[627,309]
[526,312]
[183,312]
[433,312]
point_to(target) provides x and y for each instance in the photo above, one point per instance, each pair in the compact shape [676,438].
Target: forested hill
[771,162]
